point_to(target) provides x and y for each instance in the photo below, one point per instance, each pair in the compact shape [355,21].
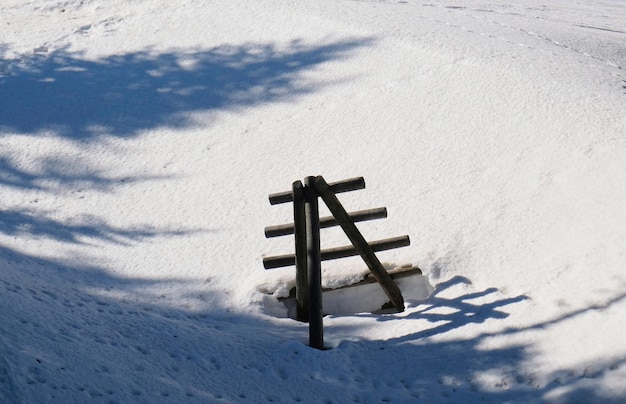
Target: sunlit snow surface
[139,141]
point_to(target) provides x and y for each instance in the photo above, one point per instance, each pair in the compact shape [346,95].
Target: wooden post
[359,242]
[314,264]
[302,282]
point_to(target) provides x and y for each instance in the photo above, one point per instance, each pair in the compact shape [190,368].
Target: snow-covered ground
[139,140]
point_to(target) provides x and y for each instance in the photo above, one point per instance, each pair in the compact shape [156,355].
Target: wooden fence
[308,255]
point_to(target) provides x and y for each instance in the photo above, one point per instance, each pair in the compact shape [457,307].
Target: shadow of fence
[429,366]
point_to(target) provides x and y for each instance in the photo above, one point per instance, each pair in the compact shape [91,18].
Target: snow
[139,141]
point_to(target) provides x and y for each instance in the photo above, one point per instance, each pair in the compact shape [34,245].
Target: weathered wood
[314,264]
[329,221]
[302,281]
[378,245]
[396,273]
[286,260]
[279,261]
[351,184]
[365,251]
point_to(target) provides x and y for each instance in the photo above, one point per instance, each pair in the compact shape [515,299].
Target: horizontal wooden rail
[351,184]
[395,274]
[329,221]
[279,261]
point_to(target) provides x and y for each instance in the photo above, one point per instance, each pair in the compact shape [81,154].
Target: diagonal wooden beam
[359,242]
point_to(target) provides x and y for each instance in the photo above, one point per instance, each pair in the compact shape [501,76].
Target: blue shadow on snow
[120,95]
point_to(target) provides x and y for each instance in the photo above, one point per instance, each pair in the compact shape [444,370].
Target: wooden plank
[329,221]
[395,274]
[351,184]
[378,245]
[359,242]
[278,261]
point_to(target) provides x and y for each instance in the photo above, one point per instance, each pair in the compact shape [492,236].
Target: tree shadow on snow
[79,230]
[74,332]
[54,176]
[81,98]
[62,174]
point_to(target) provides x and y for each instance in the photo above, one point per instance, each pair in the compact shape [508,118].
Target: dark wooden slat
[313,264]
[278,261]
[329,221]
[359,242]
[302,281]
[351,184]
[396,273]
[286,260]
[379,245]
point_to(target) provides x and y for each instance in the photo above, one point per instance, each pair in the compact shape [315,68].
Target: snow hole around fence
[348,295]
